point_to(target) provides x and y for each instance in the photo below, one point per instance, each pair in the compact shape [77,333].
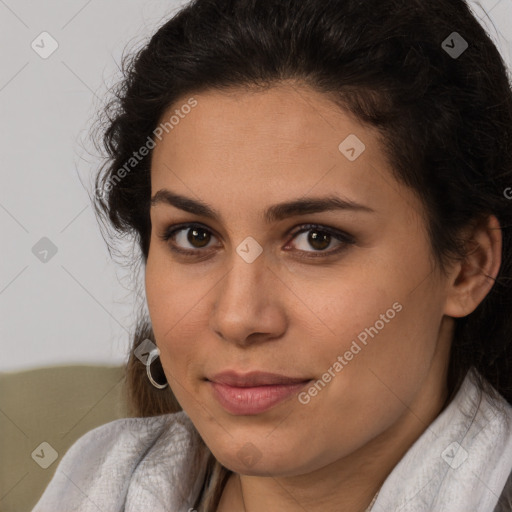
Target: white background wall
[73,308]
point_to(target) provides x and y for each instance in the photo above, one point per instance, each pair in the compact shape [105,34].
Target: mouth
[255,392]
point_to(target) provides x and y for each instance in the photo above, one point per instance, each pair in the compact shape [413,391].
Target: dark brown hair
[445,122]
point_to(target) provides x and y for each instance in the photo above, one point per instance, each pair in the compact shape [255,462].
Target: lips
[253,393]
[254,379]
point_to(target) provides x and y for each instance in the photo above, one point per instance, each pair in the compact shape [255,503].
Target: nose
[249,307]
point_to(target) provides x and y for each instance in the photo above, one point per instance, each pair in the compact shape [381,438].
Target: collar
[460,463]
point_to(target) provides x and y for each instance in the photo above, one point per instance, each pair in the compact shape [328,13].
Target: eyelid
[343,237]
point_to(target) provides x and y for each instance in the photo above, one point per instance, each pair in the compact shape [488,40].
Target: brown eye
[187,239]
[198,237]
[320,238]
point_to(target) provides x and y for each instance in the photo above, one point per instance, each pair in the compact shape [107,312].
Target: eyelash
[342,237]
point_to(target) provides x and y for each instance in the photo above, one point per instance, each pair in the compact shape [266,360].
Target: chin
[252,461]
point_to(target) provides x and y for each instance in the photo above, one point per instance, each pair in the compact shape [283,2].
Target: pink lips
[254,392]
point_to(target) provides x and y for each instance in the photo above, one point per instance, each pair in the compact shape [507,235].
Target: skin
[241,152]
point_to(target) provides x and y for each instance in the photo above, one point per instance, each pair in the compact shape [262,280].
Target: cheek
[383,321]
[174,308]
[157,295]
[383,364]
[168,298]
[343,309]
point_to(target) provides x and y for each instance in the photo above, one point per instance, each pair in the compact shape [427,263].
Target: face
[342,297]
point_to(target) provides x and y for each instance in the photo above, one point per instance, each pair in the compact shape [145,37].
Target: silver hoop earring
[154,357]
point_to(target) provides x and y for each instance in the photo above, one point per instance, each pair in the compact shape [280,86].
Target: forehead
[283,117]
[259,144]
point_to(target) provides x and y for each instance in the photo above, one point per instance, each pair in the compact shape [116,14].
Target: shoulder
[132,435]
[128,438]
[100,466]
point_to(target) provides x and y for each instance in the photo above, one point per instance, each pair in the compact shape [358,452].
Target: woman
[319,194]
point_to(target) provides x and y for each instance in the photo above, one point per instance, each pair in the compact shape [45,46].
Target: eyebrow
[277,212]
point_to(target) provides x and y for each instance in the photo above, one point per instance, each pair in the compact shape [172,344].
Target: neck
[241,493]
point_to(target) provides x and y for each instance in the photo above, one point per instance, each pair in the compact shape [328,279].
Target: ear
[472,279]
